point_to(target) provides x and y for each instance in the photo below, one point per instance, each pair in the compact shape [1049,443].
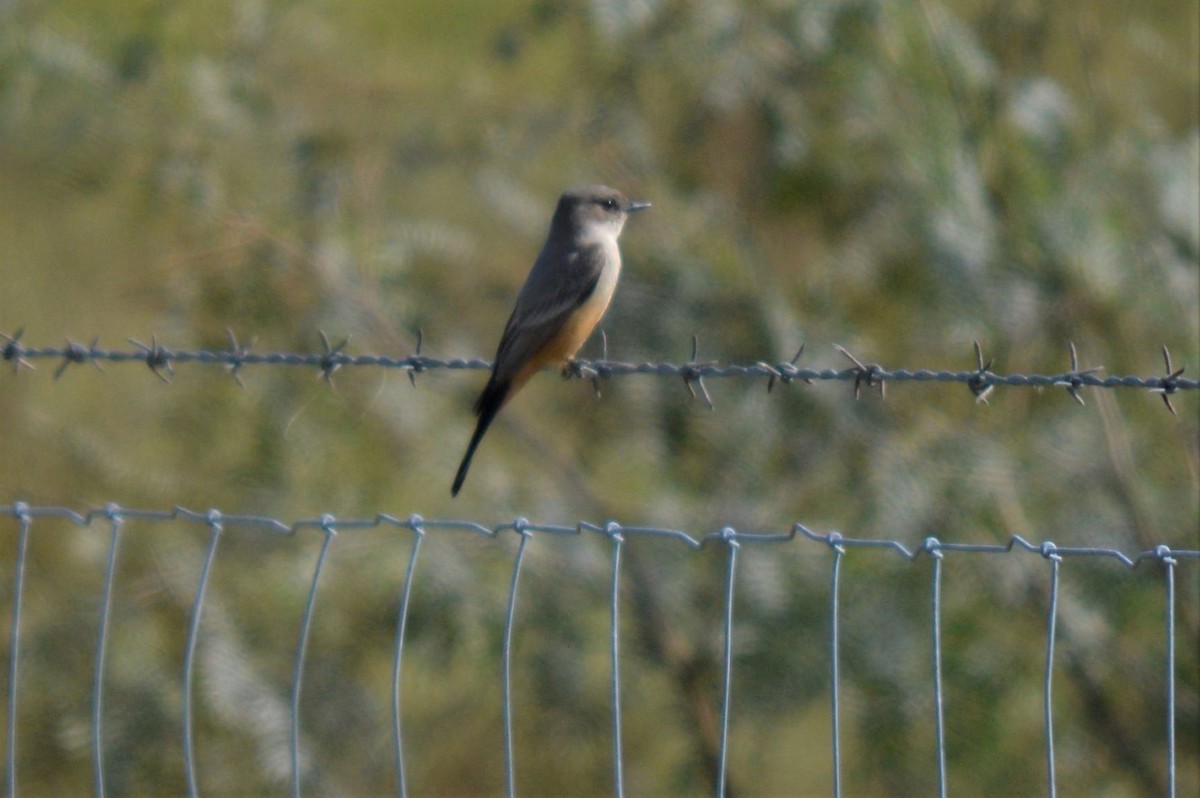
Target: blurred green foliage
[901,178]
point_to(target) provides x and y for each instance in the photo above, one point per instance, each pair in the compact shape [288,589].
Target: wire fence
[28,517]
[982,381]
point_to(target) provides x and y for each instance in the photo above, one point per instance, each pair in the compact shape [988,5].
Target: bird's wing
[555,288]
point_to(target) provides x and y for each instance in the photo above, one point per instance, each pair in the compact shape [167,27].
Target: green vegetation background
[900,178]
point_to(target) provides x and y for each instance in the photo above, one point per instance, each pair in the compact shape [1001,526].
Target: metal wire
[110,573]
[615,657]
[14,648]
[162,361]
[730,538]
[310,603]
[406,596]
[618,535]
[510,776]
[189,658]
[1169,562]
[834,669]
[1051,627]
[931,545]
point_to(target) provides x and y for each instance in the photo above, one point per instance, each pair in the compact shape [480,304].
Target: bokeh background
[899,178]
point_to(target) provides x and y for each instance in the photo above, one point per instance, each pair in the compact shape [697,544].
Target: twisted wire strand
[162,361]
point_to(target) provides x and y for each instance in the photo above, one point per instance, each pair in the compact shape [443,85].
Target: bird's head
[593,211]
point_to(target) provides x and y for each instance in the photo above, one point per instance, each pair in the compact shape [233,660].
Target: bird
[563,299]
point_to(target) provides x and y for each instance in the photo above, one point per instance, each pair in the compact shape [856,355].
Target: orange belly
[574,333]
[563,346]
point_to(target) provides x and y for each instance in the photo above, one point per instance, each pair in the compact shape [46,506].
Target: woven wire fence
[838,547]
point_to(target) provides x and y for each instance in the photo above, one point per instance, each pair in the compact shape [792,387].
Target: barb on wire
[13,352]
[237,357]
[582,369]
[75,353]
[416,356]
[603,356]
[868,375]
[1170,382]
[981,380]
[693,373]
[332,359]
[1073,379]
[981,384]
[782,373]
[158,358]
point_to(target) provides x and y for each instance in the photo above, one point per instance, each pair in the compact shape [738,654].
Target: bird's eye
[609,204]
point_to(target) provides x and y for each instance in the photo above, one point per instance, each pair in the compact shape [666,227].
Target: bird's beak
[636,205]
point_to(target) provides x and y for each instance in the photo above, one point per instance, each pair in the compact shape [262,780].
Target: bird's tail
[489,404]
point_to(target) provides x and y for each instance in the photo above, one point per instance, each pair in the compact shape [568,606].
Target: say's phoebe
[563,298]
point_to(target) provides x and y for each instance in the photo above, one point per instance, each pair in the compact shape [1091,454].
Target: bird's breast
[585,318]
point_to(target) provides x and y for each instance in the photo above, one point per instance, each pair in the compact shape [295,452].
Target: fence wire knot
[614,531]
[834,541]
[1050,551]
[1163,554]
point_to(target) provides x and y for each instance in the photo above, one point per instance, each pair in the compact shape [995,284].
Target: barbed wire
[617,534]
[162,360]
